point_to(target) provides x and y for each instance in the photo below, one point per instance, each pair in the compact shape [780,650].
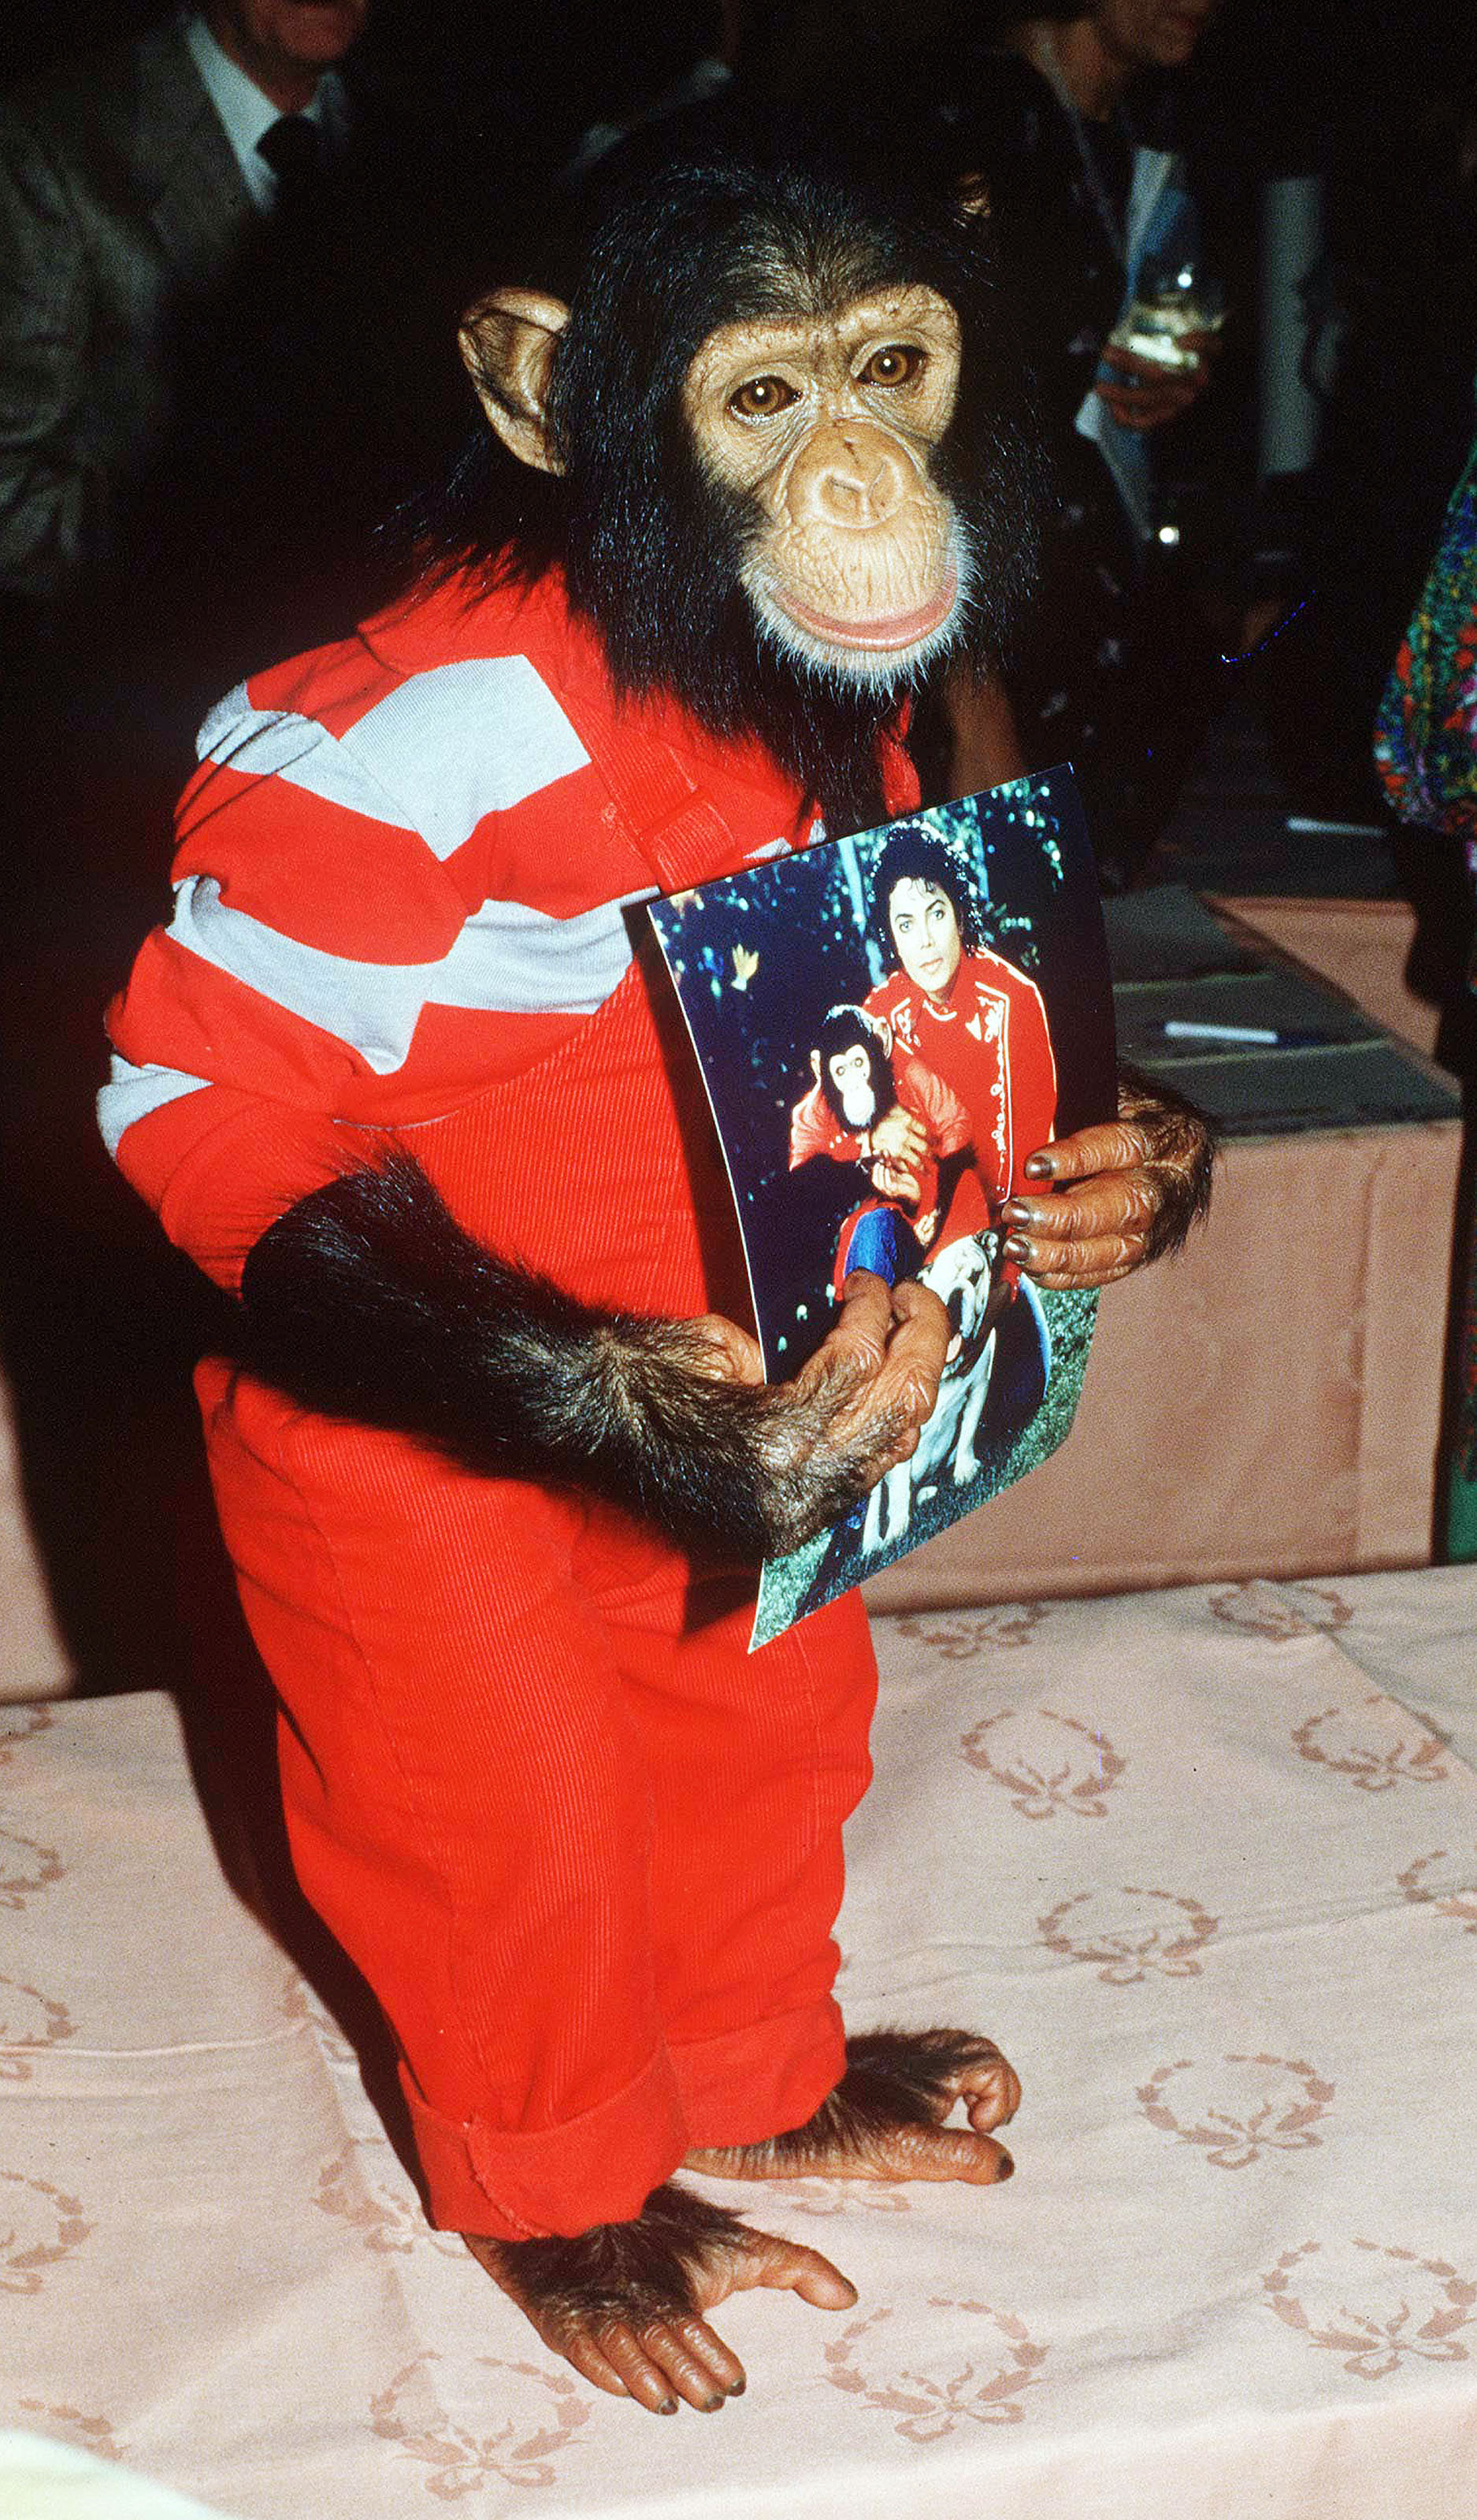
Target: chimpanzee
[494,1459]
[860,1085]
[852,1063]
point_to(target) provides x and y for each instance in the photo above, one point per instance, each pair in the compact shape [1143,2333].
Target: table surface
[1334,1067]
[1204,1860]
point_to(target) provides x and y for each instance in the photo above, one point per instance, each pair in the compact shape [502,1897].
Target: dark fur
[894,2078]
[1182,1158]
[708,216]
[367,1301]
[637,2273]
[848,1028]
[632,2273]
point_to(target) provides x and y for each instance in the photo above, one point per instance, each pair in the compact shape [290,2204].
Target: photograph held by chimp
[889,1025]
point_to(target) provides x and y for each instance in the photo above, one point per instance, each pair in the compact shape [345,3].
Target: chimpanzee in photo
[859,1082]
[494,1459]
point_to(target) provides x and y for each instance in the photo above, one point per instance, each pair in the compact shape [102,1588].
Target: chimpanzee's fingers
[901,1133]
[1096,1228]
[1109,1146]
[938,2154]
[881,1418]
[1124,1203]
[624,2350]
[919,1343]
[1064,1266]
[784,2265]
[989,2088]
[858,1408]
[583,2355]
[672,2346]
[658,2363]
[721,1352]
[707,2348]
[853,1350]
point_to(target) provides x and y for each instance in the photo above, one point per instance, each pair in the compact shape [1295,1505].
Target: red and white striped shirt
[405,870]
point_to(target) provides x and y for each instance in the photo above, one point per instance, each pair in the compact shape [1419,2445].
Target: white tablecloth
[1204,1860]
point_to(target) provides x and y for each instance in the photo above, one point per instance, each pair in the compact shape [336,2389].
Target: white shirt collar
[246,113]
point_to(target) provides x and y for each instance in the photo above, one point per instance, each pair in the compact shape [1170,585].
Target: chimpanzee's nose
[847,475]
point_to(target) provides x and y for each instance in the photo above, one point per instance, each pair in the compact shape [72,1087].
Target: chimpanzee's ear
[507,343]
[815,1065]
[972,192]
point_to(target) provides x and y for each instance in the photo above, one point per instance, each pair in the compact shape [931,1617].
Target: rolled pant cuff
[597,2168]
[746,2085]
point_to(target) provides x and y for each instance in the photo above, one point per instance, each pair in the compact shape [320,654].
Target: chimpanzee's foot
[625,2302]
[884,2118]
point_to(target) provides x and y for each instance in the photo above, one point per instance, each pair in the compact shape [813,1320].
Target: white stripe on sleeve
[507,959]
[130,1093]
[440,752]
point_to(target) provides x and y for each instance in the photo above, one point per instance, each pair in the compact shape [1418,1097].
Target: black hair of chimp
[913,853]
[710,216]
[437,1338]
[894,2078]
[1182,1143]
[635,2272]
[846,1027]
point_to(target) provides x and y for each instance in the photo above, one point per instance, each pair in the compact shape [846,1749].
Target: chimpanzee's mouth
[879,634]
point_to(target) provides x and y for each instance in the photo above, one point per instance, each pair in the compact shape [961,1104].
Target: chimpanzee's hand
[627,2303]
[900,1135]
[1120,1193]
[699,1444]
[857,1409]
[890,1180]
[369,1301]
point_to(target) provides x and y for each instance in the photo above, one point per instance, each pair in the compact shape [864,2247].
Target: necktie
[293,148]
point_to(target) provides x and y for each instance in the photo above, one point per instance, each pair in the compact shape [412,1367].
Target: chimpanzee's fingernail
[1006,2169]
[1015,1213]
[1039,1167]
[736,2388]
[1017,1247]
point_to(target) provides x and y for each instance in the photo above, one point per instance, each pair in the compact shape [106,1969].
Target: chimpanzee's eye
[761,397]
[898,363]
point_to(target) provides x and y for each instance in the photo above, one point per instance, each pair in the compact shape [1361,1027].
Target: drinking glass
[1174,295]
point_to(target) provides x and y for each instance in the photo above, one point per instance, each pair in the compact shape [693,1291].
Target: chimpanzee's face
[925,929]
[825,428]
[850,1073]
[791,431]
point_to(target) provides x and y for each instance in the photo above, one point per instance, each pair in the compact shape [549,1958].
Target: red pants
[585,1847]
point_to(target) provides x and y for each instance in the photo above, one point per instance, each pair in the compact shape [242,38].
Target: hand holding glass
[1172,299]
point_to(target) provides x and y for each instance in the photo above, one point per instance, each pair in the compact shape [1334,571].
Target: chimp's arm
[368,1301]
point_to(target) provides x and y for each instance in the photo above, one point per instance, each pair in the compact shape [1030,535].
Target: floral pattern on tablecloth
[1205,1863]
[1239,2110]
[1047,1763]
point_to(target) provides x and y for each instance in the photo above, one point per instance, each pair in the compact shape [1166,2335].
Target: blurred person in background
[1425,752]
[1068,115]
[1062,119]
[137,183]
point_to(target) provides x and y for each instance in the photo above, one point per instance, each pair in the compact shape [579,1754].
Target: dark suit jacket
[121,206]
